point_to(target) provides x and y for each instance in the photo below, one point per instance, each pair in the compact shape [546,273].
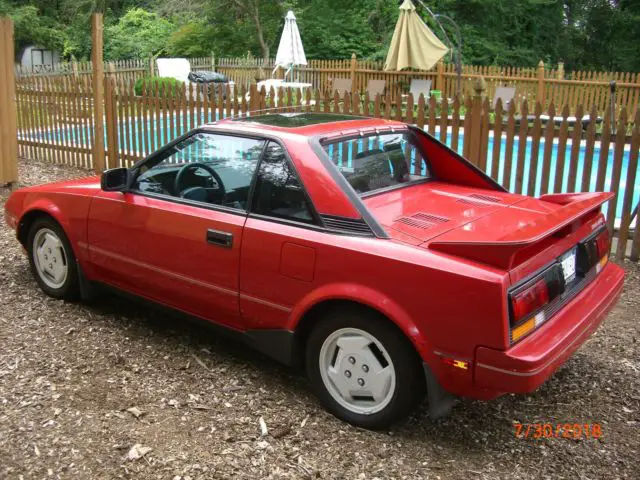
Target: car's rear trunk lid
[419,213]
[490,227]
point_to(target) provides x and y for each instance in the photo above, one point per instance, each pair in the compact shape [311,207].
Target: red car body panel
[528,364]
[443,281]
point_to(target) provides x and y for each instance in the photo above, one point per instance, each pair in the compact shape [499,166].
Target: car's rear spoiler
[501,252]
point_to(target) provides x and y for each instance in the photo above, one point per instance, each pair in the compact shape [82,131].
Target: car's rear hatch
[491,227]
[419,213]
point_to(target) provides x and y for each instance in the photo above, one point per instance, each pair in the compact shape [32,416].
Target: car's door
[175,236]
[278,261]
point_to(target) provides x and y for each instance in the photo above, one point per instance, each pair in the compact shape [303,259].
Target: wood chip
[137,452]
[135,411]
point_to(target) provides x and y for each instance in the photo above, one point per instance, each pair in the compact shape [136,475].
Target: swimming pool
[154,133]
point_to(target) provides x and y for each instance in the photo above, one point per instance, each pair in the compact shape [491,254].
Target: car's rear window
[377,162]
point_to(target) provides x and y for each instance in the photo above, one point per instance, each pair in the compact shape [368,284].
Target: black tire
[410,384]
[70,289]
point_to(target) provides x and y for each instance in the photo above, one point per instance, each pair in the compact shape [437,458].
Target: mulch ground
[116,390]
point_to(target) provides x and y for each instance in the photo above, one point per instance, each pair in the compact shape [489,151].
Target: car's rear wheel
[52,260]
[363,369]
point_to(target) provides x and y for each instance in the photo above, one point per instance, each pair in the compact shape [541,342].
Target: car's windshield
[378,161]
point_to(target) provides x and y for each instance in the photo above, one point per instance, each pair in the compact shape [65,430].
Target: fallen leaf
[137,452]
[263,426]
[135,411]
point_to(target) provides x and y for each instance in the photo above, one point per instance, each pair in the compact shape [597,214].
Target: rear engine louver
[479,199]
[430,218]
[422,220]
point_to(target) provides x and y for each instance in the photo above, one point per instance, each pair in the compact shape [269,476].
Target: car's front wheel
[52,260]
[363,369]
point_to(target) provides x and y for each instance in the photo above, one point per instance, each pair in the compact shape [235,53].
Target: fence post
[213,62]
[111,115]
[74,68]
[479,87]
[540,96]
[8,114]
[440,78]
[152,67]
[97,60]
[560,72]
[354,64]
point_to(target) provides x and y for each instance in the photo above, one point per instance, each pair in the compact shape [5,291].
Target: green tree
[31,28]
[195,39]
[137,34]
[246,25]
[586,34]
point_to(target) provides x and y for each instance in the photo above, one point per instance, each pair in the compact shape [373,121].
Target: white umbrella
[290,51]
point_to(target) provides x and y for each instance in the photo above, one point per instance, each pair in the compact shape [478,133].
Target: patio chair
[179,68]
[341,85]
[506,94]
[419,86]
[376,87]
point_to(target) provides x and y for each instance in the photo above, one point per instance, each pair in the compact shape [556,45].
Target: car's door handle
[221,239]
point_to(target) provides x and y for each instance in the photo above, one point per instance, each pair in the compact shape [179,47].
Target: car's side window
[209,168]
[278,192]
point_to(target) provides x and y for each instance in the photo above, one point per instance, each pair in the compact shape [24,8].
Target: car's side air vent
[414,222]
[486,198]
[355,226]
[479,199]
[430,218]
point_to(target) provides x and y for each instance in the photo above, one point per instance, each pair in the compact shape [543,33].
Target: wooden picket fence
[538,84]
[519,146]
[533,84]
[125,70]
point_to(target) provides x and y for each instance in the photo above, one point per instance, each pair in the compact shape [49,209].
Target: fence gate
[8,116]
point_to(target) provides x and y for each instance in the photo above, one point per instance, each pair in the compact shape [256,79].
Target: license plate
[568,262]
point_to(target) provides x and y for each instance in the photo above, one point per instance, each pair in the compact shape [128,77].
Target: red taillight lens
[603,244]
[529,300]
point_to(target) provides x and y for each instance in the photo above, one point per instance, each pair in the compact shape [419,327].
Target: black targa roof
[293,120]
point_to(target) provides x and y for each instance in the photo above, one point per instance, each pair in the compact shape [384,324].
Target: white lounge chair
[506,94]
[418,87]
[179,68]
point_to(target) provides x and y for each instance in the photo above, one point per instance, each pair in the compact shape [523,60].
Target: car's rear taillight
[530,299]
[528,302]
[594,251]
[603,243]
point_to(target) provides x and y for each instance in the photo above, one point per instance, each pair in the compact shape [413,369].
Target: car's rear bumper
[526,365]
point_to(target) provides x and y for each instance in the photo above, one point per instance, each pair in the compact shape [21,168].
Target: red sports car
[363,250]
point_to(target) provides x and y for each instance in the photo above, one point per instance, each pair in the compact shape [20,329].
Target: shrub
[165,86]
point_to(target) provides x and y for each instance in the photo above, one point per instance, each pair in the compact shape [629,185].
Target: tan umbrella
[413,44]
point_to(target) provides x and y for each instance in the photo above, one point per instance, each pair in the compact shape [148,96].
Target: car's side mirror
[115,180]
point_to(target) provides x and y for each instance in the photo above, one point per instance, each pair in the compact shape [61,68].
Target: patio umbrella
[413,44]
[290,50]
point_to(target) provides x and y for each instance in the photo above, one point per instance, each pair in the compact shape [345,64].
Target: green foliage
[167,87]
[586,34]
[336,29]
[138,34]
[30,28]
[191,40]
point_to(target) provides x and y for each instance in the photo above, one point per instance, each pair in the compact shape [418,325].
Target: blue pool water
[143,135]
